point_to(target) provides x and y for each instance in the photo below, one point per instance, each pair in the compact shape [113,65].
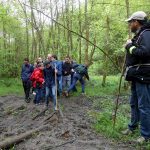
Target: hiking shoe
[66,94]
[141,140]
[34,93]
[127,132]
[83,94]
[55,108]
[27,100]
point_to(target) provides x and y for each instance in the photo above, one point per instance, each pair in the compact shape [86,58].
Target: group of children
[50,77]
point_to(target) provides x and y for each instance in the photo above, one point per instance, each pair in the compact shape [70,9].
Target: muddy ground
[74,133]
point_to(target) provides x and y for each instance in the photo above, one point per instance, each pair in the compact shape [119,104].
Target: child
[37,79]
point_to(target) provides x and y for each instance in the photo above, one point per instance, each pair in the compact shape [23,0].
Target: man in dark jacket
[26,72]
[49,76]
[138,72]
[66,72]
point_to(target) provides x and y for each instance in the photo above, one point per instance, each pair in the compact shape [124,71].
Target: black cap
[46,62]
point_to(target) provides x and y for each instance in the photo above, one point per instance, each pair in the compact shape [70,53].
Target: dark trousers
[140,108]
[74,89]
[26,87]
[38,95]
[72,86]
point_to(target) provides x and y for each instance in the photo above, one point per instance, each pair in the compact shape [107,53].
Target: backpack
[81,69]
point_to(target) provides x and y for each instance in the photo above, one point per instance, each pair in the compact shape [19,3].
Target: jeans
[50,92]
[26,87]
[140,108]
[74,88]
[75,79]
[43,93]
[38,95]
[66,82]
[59,81]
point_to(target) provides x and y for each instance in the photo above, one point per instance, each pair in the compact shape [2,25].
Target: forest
[81,29]
[91,32]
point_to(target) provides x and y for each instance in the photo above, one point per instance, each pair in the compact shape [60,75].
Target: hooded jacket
[37,78]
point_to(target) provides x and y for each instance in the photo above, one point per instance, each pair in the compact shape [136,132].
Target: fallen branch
[18,138]
[50,116]
[56,146]
[40,114]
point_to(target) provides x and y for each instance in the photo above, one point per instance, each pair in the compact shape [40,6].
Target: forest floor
[73,133]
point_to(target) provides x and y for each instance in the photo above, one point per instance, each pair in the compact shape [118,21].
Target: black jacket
[66,69]
[140,54]
[49,76]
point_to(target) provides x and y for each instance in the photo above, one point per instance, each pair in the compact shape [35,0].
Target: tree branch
[115,65]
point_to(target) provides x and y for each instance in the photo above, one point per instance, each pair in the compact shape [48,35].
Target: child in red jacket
[37,79]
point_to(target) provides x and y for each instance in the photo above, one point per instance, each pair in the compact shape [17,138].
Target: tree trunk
[87,33]
[27,30]
[52,28]
[128,13]
[80,31]
[107,47]
[68,25]
[34,43]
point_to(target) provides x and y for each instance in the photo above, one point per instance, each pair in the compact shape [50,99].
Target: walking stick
[57,105]
[56,89]
[114,115]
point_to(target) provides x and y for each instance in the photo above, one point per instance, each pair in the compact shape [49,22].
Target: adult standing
[66,72]
[26,72]
[49,76]
[138,72]
[58,64]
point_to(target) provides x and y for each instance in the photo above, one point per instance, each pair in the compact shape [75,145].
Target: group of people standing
[50,77]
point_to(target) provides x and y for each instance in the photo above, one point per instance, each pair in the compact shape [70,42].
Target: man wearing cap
[138,72]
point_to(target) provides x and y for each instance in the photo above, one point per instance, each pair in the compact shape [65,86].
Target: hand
[56,71]
[72,70]
[43,82]
[128,42]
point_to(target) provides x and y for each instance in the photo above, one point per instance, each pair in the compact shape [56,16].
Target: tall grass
[10,86]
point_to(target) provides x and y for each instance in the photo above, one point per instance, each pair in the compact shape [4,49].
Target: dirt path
[74,131]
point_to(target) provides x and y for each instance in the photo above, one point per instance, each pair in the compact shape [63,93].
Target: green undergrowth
[103,105]
[10,86]
[102,115]
[94,87]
